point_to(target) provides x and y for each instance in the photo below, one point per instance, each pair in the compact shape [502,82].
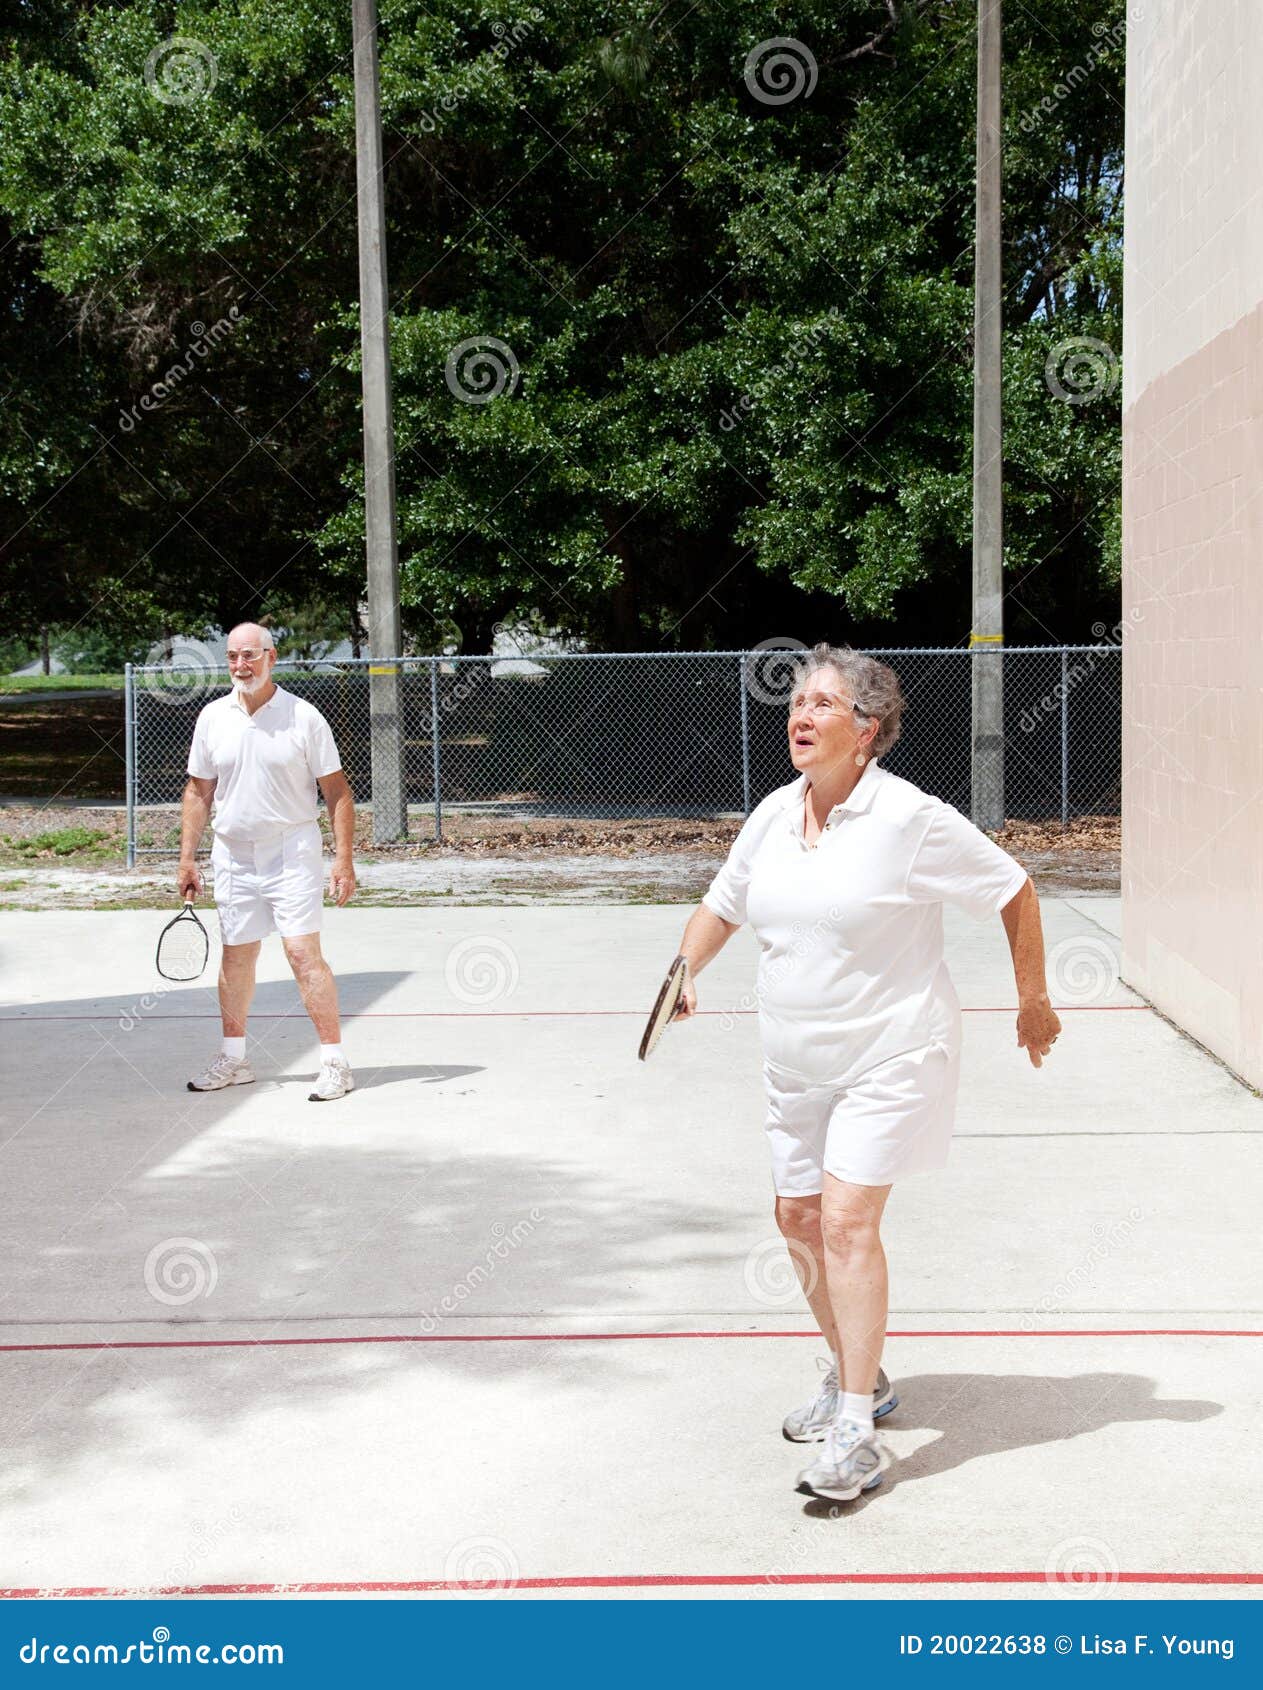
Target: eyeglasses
[250,654]
[822,707]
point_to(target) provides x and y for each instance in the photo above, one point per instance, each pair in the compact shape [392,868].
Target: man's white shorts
[275,886]
[896,1119]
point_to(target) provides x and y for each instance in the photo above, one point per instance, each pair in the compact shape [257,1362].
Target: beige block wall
[1193,521]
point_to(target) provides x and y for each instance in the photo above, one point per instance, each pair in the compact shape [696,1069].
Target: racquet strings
[183,947]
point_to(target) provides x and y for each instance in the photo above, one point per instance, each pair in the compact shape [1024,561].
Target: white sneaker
[852,1461]
[808,1425]
[224,1071]
[335,1079]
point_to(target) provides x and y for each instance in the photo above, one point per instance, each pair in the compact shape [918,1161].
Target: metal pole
[986,637]
[745,735]
[435,742]
[129,752]
[385,635]
[1065,740]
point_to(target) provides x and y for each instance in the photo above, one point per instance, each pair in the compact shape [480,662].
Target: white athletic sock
[328,1053]
[857,1406]
[236,1048]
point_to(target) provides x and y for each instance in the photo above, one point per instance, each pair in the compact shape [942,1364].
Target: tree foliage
[720,387]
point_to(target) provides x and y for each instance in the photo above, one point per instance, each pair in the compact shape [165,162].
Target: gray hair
[874,688]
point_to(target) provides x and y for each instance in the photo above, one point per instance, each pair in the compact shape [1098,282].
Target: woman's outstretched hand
[1037,1028]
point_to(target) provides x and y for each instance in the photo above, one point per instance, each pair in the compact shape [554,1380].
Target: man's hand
[341,881]
[1037,1028]
[189,882]
[687,1006]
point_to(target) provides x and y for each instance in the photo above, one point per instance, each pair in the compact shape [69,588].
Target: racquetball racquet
[666,1006]
[183,946]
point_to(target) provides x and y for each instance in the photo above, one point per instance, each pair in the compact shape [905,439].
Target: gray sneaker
[807,1425]
[852,1461]
[223,1071]
[335,1079]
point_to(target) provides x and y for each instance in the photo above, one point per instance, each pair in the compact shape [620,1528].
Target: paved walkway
[515,1313]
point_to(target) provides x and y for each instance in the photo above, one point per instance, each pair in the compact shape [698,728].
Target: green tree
[731,391]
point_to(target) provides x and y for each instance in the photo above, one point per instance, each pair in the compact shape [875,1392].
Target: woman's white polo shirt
[851,969]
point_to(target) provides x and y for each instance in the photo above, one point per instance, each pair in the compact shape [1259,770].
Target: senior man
[260,753]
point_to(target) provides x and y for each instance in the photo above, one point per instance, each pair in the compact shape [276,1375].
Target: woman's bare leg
[855,1277]
[799,1221]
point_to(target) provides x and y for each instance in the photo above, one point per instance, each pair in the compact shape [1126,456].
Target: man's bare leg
[236,987]
[318,988]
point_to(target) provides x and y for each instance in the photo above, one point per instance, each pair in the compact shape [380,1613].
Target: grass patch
[58,683]
[59,842]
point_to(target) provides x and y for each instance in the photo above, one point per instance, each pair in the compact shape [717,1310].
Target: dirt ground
[64,842]
[58,855]
[56,748]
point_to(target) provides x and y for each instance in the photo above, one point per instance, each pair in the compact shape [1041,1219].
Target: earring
[860,759]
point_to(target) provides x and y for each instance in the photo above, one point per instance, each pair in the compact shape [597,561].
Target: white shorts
[895,1119]
[276,886]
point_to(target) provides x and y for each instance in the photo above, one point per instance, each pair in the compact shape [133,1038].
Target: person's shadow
[366,1077]
[981,1414]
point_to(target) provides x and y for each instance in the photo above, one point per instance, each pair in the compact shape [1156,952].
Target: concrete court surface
[514,1318]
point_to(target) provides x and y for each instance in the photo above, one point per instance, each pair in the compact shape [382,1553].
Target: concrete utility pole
[986,640]
[385,635]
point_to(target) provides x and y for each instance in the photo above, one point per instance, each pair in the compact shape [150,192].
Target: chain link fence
[653,734]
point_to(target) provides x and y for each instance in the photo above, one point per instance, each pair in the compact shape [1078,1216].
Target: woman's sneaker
[223,1071]
[807,1425]
[852,1461]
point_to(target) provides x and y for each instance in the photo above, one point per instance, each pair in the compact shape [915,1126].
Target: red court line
[606,1337]
[526,1014]
[624,1581]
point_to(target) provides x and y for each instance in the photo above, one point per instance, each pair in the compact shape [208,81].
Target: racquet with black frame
[666,1007]
[183,946]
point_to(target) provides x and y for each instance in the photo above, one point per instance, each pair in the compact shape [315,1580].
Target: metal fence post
[1065,742]
[745,732]
[129,756]
[435,756]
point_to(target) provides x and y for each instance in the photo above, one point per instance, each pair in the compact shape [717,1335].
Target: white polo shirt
[851,968]
[265,765]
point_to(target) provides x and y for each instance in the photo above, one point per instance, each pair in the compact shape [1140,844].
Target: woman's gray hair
[874,688]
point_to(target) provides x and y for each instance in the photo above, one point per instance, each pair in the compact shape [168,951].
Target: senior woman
[843,875]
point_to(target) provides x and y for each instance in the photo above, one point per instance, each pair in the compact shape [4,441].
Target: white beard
[249,683]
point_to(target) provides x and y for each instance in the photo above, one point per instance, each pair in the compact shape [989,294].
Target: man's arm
[194,815]
[341,806]
[1037,1021]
